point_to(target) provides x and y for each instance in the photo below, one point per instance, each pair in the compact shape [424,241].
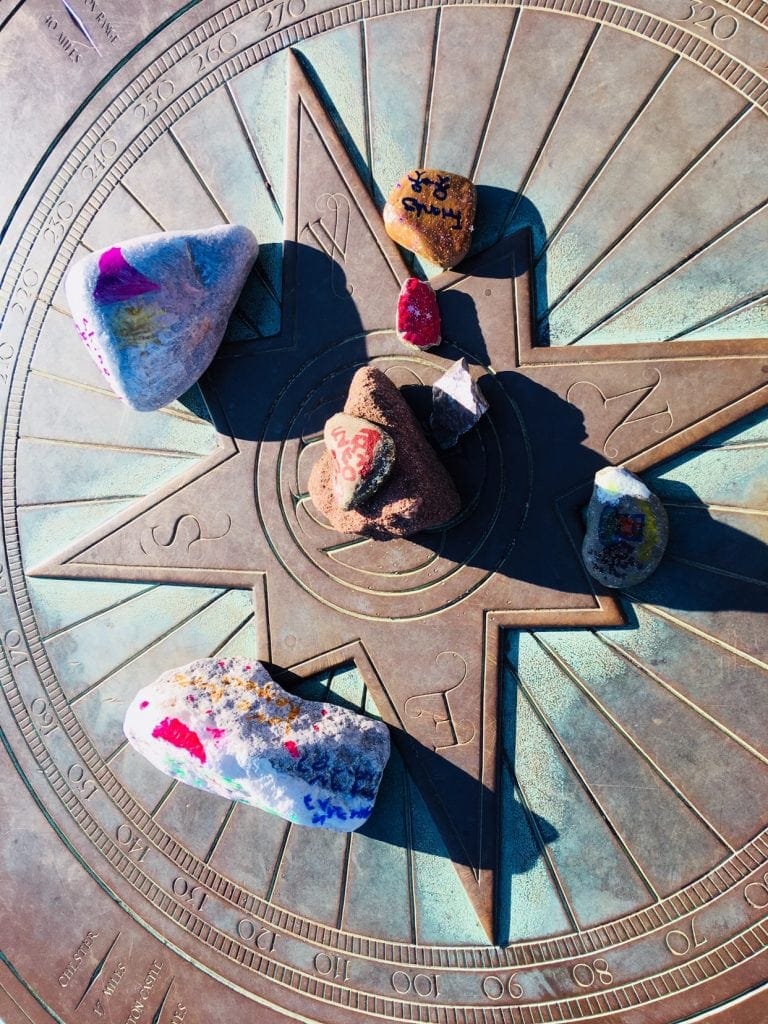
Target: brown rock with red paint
[417,495]
[432,213]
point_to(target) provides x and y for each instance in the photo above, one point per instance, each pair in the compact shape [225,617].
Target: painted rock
[432,213]
[627,529]
[362,456]
[152,311]
[418,318]
[457,404]
[225,726]
[417,495]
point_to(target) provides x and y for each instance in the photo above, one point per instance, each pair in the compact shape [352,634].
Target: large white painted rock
[226,726]
[152,311]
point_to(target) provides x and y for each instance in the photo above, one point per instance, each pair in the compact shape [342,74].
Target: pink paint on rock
[118,280]
[292,749]
[216,733]
[418,317]
[144,704]
[175,732]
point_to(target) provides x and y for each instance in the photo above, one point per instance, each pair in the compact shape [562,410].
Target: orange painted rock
[418,318]
[362,455]
[432,213]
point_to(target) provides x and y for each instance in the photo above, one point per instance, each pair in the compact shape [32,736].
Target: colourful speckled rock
[362,456]
[225,726]
[152,311]
[432,213]
[457,404]
[418,318]
[627,529]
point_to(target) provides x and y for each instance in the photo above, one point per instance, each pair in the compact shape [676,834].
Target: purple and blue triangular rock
[152,311]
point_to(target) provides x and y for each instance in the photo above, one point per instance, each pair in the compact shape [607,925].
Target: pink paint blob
[292,749]
[316,728]
[216,733]
[323,712]
[144,704]
[175,732]
[118,280]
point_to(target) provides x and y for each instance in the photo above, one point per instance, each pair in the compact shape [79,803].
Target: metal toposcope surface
[572,826]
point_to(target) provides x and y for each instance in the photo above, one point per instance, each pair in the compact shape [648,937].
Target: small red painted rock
[362,455]
[432,213]
[418,318]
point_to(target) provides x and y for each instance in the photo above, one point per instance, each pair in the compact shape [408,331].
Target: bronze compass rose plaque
[571,827]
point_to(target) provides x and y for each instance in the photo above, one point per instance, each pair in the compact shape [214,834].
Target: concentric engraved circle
[696,939]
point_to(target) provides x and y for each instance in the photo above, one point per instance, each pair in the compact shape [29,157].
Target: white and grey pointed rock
[225,726]
[627,529]
[457,404]
[152,311]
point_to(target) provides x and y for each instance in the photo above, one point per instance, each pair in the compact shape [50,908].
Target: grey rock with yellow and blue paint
[627,529]
[152,311]
[224,725]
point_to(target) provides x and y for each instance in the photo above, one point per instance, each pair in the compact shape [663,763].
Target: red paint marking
[316,728]
[175,732]
[216,733]
[191,698]
[144,704]
[355,454]
[292,749]
[323,712]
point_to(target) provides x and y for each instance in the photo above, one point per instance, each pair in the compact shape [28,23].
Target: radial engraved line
[538,839]
[120,449]
[717,571]
[717,318]
[690,628]
[230,636]
[161,802]
[118,749]
[278,862]
[58,309]
[410,865]
[584,784]
[76,502]
[614,149]
[430,90]
[344,880]
[636,663]
[220,832]
[198,176]
[148,647]
[252,148]
[567,92]
[58,379]
[366,79]
[140,204]
[208,191]
[644,214]
[503,64]
[633,743]
[667,274]
[95,615]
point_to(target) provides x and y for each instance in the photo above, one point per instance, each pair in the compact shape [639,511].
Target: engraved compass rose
[420,618]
